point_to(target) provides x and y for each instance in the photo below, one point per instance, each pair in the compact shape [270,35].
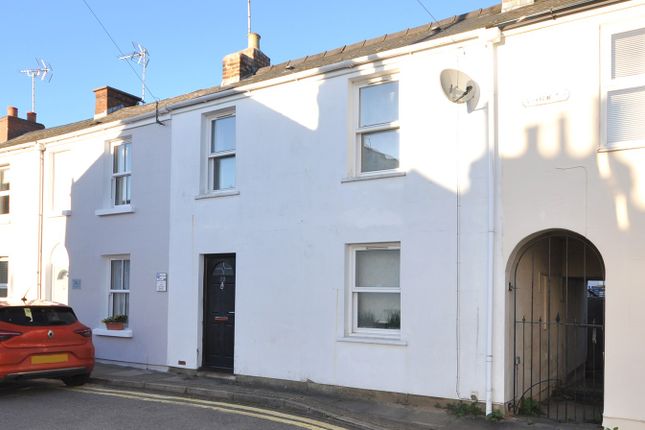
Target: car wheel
[76,380]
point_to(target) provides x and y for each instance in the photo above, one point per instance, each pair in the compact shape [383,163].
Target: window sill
[57,214]
[373,340]
[370,176]
[622,147]
[216,194]
[127,333]
[124,209]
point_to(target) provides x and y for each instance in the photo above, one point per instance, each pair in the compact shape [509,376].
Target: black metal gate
[558,343]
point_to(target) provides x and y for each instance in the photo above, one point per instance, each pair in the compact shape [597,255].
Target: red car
[40,339]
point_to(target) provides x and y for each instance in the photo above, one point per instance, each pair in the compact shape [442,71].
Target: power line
[424,8]
[119,49]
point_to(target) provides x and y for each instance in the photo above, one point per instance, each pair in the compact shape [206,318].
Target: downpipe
[490,38]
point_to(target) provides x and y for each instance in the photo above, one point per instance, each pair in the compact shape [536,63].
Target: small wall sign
[162,282]
[546,98]
[76,284]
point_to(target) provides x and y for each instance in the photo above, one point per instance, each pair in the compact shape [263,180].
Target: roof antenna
[42,70]
[248,7]
[142,57]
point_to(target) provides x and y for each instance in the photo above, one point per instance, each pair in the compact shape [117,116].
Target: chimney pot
[12,111]
[31,116]
[254,41]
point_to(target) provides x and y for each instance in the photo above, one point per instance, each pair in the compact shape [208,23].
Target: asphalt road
[50,405]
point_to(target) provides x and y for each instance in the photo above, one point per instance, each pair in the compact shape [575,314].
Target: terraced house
[452,211]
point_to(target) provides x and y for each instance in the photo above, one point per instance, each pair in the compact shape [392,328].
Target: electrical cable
[424,8]
[119,49]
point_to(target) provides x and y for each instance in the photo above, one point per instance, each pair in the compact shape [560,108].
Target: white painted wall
[554,177]
[18,229]
[294,215]
[143,235]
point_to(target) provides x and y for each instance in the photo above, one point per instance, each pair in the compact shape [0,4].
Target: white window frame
[358,131]
[352,328]
[111,291]
[114,146]
[609,85]
[5,286]
[6,193]
[210,156]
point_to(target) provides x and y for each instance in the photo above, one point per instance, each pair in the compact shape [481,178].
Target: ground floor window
[4,277]
[119,293]
[374,289]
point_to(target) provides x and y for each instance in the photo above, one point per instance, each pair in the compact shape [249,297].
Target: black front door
[219,311]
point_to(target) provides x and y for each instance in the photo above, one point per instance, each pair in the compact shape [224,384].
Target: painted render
[299,203]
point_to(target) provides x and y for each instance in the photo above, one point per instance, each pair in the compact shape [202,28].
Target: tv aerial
[142,57]
[42,70]
[459,87]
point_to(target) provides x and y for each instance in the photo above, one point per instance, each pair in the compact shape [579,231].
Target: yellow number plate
[49,358]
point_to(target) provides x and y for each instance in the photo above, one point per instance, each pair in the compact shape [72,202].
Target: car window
[37,315]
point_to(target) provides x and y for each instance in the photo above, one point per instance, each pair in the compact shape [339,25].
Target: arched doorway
[558,311]
[59,278]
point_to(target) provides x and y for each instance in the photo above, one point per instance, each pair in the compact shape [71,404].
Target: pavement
[350,411]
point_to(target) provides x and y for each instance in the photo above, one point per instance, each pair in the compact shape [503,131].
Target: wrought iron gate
[558,343]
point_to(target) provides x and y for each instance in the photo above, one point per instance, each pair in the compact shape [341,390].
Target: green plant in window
[393,320]
[366,319]
[116,319]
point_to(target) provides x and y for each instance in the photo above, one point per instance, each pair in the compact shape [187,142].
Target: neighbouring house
[453,211]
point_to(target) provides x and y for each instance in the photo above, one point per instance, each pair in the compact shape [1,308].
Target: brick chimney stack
[245,63]
[110,100]
[515,4]
[11,126]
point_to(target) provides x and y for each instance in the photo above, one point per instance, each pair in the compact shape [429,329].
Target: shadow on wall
[544,191]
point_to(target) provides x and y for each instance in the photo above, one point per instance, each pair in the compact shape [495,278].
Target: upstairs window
[377,128]
[121,173]
[624,88]
[221,157]
[4,277]
[4,190]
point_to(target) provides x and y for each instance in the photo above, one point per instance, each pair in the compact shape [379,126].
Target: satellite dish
[459,88]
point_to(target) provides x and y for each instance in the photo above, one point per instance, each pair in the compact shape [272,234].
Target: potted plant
[115,322]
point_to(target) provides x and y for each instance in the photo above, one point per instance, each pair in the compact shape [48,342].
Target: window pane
[4,270]
[223,172]
[379,104]
[223,134]
[378,268]
[628,53]
[380,151]
[119,303]
[4,179]
[126,157]
[3,291]
[379,310]
[122,190]
[126,274]
[4,205]
[626,115]
[116,267]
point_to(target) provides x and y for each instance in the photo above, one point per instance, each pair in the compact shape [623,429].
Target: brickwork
[243,64]
[110,99]
[11,126]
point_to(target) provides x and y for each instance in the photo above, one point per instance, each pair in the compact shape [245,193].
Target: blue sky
[186,39]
